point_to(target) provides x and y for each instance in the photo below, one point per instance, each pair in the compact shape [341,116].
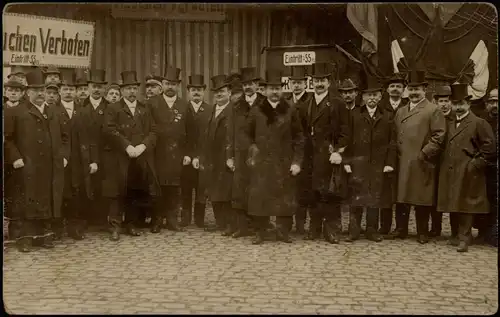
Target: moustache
[414,95]
[320,87]
[396,91]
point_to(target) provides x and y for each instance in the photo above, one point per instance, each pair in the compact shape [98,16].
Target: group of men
[70,155]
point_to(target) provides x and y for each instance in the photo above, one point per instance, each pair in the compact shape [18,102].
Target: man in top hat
[82,90]
[199,112]
[250,81]
[94,107]
[370,160]
[276,135]
[129,164]
[469,147]
[153,86]
[216,174]
[421,129]
[173,148]
[37,147]
[82,163]
[394,101]
[326,138]
[236,87]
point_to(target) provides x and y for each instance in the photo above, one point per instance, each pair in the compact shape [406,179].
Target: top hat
[97,76]
[81,82]
[347,84]
[371,84]
[416,78]
[262,82]
[35,79]
[443,91]
[68,77]
[298,73]
[172,74]
[219,81]
[13,83]
[396,78]
[152,80]
[273,77]
[129,78]
[196,81]
[52,70]
[321,70]
[493,95]
[16,70]
[236,86]
[234,75]
[460,92]
[249,74]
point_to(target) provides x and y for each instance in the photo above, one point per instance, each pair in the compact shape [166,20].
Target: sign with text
[202,12]
[299,58]
[31,40]
[288,88]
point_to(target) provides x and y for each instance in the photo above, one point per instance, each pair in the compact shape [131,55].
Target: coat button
[40,141]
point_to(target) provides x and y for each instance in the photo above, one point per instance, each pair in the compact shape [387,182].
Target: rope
[463,34]
[418,16]
[406,24]
[461,25]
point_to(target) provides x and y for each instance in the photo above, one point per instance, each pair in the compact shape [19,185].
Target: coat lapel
[463,125]
[414,111]
[322,107]
[126,108]
[34,111]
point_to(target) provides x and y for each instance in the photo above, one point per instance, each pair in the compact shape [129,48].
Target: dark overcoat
[421,130]
[237,145]
[83,151]
[42,143]
[325,128]
[174,138]
[122,129]
[278,141]
[372,146]
[462,179]
[215,177]
[386,105]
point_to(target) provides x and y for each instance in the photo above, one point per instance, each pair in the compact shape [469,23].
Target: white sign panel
[299,58]
[287,87]
[31,40]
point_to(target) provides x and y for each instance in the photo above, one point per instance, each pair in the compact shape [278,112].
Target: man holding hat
[216,174]
[421,129]
[370,160]
[326,138]
[469,146]
[153,86]
[94,107]
[82,162]
[173,148]
[129,164]
[37,146]
[198,113]
[276,135]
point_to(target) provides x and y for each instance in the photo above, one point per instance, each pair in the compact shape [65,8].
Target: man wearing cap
[82,90]
[153,86]
[173,148]
[394,102]
[370,159]
[469,146]
[276,135]
[94,107]
[83,160]
[129,163]
[198,113]
[18,73]
[421,129]
[52,80]
[216,174]
[326,138]
[37,146]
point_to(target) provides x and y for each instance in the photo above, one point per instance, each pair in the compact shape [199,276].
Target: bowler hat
[219,81]
[68,77]
[52,85]
[13,83]
[234,75]
[460,92]
[249,74]
[347,84]
[16,70]
[298,73]
[274,77]
[416,78]
[321,70]
[196,81]
[172,74]
[113,85]
[493,95]
[442,91]
[396,78]
[129,78]
[152,80]
[97,76]
[35,79]
[236,86]
[52,70]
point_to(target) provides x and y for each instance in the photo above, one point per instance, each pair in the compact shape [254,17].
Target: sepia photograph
[250,158]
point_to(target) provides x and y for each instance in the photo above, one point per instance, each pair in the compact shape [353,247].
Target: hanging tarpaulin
[448,10]
[479,60]
[363,18]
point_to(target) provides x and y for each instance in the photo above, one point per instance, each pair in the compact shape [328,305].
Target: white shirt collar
[196,106]
[319,98]
[170,100]
[251,99]
[130,104]
[40,108]
[95,102]
[297,98]
[273,104]
[463,116]
[12,104]
[447,112]
[69,105]
[371,111]
[352,105]
[413,105]
[223,106]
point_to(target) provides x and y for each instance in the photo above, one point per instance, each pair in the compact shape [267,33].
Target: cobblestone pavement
[198,272]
